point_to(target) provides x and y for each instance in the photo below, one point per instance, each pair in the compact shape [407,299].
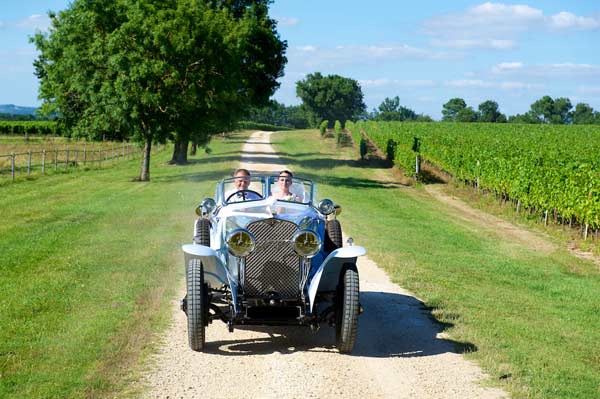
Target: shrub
[323,127]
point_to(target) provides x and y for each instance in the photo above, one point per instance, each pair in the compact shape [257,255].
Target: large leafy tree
[452,108]
[585,115]
[556,111]
[489,112]
[152,70]
[391,110]
[331,97]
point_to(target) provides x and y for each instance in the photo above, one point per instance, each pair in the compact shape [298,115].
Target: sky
[424,52]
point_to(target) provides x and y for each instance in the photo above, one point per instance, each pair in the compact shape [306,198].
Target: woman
[285,182]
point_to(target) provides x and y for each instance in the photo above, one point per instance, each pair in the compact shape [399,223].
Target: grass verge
[88,264]
[532,318]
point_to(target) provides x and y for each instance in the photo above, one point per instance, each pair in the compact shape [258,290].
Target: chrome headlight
[206,206]
[306,243]
[240,242]
[326,206]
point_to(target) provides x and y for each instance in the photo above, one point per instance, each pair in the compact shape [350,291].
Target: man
[240,192]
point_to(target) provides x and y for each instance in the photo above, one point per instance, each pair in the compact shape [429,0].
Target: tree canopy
[154,70]
[331,97]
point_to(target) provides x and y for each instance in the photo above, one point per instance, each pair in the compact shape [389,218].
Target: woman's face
[285,182]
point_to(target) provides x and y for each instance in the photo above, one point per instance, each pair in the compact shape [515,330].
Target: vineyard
[551,169]
[28,127]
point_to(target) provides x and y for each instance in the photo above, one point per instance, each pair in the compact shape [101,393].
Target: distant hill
[17,110]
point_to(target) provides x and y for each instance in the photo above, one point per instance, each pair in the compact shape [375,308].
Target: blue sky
[425,52]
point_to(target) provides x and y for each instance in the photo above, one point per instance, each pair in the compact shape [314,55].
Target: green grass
[88,262]
[531,319]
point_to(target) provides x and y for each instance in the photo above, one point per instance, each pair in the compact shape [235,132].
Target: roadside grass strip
[88,265]
[530,319]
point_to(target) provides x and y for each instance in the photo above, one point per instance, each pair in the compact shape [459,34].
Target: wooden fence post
[67,160]
[56,159]
[29,163]
[12,167]
[43,161]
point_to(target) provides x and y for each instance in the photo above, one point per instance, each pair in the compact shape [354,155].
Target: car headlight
[240,242]
[206,206]
[306,243]
[326,206]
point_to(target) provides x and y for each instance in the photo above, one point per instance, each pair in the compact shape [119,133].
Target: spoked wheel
[333,236]
[347,309]
[197,306]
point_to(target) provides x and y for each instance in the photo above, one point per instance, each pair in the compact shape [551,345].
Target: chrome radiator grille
[273,267]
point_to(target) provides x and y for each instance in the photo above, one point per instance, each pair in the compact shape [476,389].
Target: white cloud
[312,56]
[498,25]
[483,84]
[385,82]
[588,89]
[287,21]
[307,49]
[35,21]
[567,20]
[463,44]
[507,66]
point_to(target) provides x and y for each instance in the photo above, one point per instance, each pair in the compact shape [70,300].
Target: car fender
[327,276]
[216,273]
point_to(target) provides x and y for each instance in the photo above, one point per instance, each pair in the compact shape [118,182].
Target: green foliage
[488,112]
[323,127]
[585,115]
[275,113]
[363,148]
[246,125]
[28,127]
[529,163]
[452,108]
[391,110]
[156,70]
[555,111]
[331,97]
[337,128]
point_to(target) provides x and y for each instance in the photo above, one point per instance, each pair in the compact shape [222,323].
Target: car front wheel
[347,309]
[197,306]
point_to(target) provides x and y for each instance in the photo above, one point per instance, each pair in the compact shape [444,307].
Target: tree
[452,108]
[552,111]
[488,112]
[154,70]
[466,114]
[391,110]
[331,97]
[528,117]
[584,115]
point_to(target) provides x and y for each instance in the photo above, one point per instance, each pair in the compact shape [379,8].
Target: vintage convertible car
[258,260]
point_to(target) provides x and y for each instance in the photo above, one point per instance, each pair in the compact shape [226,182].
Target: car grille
[273,268]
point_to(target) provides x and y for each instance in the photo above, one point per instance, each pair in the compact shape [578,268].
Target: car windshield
[258,187]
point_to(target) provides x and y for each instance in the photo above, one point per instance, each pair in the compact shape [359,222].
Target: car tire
[202,236]
[333,236]
[197,306]
[347,309]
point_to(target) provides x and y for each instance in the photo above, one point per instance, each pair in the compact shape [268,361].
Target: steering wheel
[244,194]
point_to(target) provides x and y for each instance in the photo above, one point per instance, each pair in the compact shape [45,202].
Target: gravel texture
[399,353]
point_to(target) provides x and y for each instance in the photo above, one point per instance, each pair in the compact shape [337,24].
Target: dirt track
[399,351]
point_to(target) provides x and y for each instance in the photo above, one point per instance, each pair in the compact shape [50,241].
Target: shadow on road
[392,325]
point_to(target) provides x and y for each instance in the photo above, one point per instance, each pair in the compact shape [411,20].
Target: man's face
[241,181]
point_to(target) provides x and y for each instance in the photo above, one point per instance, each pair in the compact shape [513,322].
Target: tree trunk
[145,172]
[193,148]
[179,152]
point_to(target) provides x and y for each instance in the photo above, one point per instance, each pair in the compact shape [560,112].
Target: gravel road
[399,353]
